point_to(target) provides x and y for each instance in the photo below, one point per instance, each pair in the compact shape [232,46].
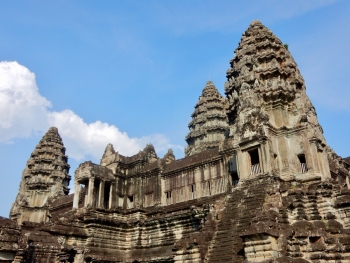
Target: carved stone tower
[209,121]
[44,179]
[273,125]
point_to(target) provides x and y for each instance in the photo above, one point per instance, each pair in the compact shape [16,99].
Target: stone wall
[258,184]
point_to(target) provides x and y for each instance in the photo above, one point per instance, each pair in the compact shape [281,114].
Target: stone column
[138,198]
[242,165]
[91,191]
[111,195]
[264,161]
[314,155]
[308,152]
[284,153]
[101,193]
[158,190]
[162,190]
[224,170]
[86,200]
[117,192]
[76,195]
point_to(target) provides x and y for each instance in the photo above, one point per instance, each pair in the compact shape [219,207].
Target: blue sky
[130,72]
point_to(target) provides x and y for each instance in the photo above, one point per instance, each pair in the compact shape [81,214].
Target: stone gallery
[259,183]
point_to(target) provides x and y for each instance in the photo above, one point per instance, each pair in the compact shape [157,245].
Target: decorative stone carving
[259,184]
[44,179]
[109,156]
[169,156]
[209,123]
[264,77]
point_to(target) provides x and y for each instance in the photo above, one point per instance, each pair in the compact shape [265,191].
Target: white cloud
[24,111]
[22,108]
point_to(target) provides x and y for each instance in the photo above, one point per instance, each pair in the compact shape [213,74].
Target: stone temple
[259,183]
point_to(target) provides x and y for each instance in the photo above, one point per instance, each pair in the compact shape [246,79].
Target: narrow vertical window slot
[232,168]
[121,201]
[168,198]
[192,189]
[131,201]
[302,161]
[106,196]
[254,162]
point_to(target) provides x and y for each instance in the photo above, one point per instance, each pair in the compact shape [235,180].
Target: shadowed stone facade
[258,184]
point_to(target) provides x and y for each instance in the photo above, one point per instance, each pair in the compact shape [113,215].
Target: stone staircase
[241,206]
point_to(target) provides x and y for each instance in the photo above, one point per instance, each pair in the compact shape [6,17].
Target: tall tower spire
[268,106]
[209,122]
[44,178]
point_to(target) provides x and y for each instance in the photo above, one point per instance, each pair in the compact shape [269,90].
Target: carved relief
[209,122]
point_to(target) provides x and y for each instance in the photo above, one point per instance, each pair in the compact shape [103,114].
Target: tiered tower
[43,180]
[209,121]
[272,121]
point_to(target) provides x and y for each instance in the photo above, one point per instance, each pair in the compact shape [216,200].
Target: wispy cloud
[24,111]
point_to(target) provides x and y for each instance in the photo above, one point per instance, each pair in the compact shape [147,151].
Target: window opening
[303,166]
[235,178]
[84,189]
[232,168]
[130,201]
[120,201]
[192,190]
[106,196]
[254,162]
[314,239]
[31,251]
[96,193]
[168,197]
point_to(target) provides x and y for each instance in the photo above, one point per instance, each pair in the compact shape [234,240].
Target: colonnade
[98,193]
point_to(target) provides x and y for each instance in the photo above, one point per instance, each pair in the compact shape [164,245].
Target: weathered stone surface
[44,179]
[209,121]
[10,234]
[258,184]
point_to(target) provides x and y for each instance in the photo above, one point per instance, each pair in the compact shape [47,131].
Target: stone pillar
[101,194]
[111,196]
[243,165]
[86,197]
[76,195]
[313,150]
[265,154]
[162,190]
[117,192]
[284,153]
[309,156]
[158,190]
[198,180]
[91,191]
[327,171]
[138,198]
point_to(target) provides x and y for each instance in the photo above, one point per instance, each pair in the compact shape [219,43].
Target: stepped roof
[208,118]
[263,75]
[48,156]
[46,169]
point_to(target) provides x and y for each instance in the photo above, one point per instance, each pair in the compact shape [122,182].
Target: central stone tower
[273,125]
